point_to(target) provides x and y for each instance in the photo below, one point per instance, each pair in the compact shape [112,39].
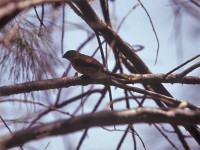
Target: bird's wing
[87,63]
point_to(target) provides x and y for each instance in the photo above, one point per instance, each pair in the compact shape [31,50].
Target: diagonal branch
[115,41]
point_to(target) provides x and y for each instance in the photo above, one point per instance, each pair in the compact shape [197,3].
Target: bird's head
[70,54]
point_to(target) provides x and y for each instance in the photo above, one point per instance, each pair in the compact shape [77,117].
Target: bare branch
[8,129]
[196,2]
[73,81]
[36,103]
[103,118]
[158,97]
[159,78]
[182,65]
[124,18]
[165,136]
[12,8]
[188,70]
[158,43]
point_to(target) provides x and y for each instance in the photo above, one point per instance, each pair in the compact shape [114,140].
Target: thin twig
[196,3]
[183,64]
[90,37]
[122,139]
[37,103]
[133,136]
[42,19]
[105,10]
[64,103]
[63,28]
[158,43]
[9,129]
[140,138]
[105,65]
[181,137]
[166,99]
[127,99]
[165,136]
[188,70]
[94,109]
[124,18]
[41,22]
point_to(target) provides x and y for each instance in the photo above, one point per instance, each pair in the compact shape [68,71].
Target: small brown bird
[86,65]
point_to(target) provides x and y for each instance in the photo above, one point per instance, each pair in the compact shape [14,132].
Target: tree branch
[103,118]
[115,41]
[11,8]
[73,81]
[159,78]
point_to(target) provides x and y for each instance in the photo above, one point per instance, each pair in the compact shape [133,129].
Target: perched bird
[87,65]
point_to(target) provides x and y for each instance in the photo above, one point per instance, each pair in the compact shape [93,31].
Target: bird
[87,65]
